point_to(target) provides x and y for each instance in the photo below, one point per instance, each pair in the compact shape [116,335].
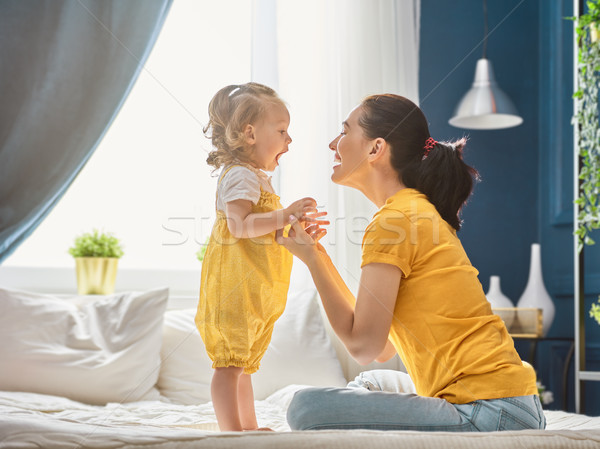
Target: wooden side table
[533,343]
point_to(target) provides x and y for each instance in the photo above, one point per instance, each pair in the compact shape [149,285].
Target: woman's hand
[303,242]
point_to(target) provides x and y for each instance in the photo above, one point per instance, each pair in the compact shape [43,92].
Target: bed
[129,370]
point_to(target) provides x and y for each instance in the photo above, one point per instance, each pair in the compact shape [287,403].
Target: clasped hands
[306,230]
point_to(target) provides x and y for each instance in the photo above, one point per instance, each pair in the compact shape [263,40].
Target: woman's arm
[242,223]
[363,324]
[388,352]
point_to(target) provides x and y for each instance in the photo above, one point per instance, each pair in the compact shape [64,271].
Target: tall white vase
[498,300]
[535,294]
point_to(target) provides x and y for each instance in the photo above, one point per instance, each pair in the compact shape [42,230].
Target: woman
[418,294]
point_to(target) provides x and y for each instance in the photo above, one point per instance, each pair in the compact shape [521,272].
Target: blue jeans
[386,400]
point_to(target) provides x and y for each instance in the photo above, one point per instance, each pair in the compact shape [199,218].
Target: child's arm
[243,224]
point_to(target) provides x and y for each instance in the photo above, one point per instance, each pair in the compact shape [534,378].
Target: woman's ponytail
[445,179]
[436,169]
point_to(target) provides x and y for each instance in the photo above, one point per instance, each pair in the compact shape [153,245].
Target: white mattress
[35,420]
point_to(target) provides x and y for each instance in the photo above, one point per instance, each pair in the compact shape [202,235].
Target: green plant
[96,244]
[595,311]
[587,122]
[202,251]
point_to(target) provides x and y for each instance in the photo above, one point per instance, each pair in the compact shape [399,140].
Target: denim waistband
[513,413]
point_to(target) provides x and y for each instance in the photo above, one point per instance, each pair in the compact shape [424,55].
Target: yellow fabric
[443,328]
[243,291]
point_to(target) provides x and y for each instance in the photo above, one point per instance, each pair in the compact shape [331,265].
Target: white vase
[498,300]
[535,294]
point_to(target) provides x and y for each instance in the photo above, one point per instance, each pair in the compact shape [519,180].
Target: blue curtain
[66,67]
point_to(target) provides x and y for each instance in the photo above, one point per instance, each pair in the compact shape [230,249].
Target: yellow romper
[243,291]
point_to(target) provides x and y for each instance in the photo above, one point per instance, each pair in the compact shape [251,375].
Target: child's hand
[300,209]
[304,210]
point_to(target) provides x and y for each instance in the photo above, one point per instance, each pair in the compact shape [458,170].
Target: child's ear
[378,149]
[249,135]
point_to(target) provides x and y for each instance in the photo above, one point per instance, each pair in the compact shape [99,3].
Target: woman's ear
[379,148]
[249,135]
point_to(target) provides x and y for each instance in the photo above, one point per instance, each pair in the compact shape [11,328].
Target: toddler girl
[245,273]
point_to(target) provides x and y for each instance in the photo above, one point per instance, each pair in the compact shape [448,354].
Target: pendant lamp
[485,105]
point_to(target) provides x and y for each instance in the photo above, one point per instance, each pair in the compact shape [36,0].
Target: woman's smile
[337,160]
[350,149]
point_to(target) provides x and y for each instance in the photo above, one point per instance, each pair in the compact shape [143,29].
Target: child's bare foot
[260,429]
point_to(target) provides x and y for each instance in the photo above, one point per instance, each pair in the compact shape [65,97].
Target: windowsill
[63,281]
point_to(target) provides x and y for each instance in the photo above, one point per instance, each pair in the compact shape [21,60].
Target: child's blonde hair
[230,111]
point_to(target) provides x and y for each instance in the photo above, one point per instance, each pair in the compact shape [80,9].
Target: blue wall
[500,222]
[525,195]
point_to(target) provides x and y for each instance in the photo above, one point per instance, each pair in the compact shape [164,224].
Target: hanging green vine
[587,120]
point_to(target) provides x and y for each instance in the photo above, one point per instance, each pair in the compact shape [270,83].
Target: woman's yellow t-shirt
[443,328]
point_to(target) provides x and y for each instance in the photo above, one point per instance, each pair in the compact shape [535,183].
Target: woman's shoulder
[406,199]
[399,206]
[408,203]
[408,212]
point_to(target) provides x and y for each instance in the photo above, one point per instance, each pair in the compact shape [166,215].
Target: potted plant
[96,258]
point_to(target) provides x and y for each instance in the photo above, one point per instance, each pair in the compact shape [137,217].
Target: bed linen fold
[29,420]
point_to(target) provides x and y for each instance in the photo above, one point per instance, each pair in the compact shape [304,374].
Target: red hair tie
[429,144]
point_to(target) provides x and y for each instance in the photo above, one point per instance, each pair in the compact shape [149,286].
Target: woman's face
[351,149]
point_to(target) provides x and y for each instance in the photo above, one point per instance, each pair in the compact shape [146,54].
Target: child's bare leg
[224,392]
[246,403]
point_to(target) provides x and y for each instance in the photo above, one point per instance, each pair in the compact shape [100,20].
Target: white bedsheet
[35,420]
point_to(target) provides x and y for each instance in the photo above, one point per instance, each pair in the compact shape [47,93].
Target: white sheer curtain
[329,54]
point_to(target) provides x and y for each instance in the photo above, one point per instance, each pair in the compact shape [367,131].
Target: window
[148,181]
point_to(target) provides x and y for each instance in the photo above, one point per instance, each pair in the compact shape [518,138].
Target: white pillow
[186,369]
[93,349]
[300,353]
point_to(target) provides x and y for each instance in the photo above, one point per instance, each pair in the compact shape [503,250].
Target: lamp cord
[485,28]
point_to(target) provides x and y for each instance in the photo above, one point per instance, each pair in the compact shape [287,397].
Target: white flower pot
[535,294]
[498,300]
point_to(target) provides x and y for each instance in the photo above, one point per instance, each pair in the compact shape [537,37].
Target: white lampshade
[485,105]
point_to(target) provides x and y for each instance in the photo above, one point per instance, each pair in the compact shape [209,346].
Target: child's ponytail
[436,169]
[219,116]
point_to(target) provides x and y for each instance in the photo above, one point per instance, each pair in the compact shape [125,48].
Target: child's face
[270,138]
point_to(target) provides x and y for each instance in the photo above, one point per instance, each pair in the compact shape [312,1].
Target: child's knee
[228,371]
